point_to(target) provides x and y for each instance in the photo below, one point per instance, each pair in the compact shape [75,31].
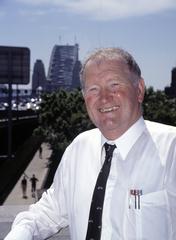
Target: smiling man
[116,181]
[113,92]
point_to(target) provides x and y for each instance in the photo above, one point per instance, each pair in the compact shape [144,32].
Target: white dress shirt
[144,161]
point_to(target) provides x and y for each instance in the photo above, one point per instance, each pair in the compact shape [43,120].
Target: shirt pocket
[152,220]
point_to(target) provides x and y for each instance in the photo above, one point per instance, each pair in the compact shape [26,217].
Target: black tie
[96,209]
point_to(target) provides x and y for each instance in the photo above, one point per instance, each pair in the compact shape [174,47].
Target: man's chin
[111,131]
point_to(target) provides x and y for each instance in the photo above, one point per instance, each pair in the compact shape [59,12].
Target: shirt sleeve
[45,217]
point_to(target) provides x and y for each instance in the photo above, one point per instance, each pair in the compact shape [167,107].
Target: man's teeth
[103,110]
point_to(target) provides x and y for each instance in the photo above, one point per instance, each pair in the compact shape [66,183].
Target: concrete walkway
[7,215]
[15,202]
[37,166]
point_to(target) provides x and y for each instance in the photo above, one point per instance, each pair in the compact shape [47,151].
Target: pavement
[37,166]
[16,203]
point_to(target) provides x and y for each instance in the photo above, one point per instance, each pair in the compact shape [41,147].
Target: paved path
[16,203]
[7,215]
[37,166]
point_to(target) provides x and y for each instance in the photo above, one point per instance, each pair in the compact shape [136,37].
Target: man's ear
[82,91]
[141,90]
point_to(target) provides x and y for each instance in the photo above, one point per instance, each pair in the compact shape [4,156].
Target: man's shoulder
[89,135]
[159,127]
[161,131]
[88,140]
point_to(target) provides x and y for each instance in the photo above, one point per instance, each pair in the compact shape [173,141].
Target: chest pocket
[152,221]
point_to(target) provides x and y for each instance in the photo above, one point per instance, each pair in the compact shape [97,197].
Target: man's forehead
[106,65]
[105,62]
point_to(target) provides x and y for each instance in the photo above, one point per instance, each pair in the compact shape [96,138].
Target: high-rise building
[64,67]
[38,77]
[171,91]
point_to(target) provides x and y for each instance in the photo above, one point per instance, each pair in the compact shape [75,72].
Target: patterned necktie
[96,209]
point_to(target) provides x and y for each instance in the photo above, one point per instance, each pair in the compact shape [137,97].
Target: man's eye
[114,85]
[92,90]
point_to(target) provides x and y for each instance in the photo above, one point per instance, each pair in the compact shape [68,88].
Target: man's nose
[105,94]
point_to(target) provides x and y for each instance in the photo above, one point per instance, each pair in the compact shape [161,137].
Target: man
[24,186]
[140,194]
[34,181]
[40,151]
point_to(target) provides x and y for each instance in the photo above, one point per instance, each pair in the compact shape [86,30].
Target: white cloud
[108,9]
[32,13]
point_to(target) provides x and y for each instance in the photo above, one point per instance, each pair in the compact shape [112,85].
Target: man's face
[112,100]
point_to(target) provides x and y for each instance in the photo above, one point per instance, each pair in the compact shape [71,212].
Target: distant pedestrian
[24,186]
[40,152]
[34,181]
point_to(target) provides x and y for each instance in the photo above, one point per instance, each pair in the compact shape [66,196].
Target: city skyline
[144,28]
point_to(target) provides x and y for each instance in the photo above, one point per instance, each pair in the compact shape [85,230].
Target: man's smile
[108,109]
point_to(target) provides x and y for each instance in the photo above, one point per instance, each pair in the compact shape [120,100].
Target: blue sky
[145,28]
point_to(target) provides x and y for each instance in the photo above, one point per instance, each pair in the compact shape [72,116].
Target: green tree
[62,116]
[158,107]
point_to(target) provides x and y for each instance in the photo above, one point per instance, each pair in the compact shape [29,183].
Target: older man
[129,195]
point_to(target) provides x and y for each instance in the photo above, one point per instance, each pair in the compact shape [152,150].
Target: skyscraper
[171,91]
[64,67]
[38,77]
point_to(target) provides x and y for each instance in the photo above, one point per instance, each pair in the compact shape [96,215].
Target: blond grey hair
[107,54]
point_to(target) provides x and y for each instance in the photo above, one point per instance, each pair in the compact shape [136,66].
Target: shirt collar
[125,142]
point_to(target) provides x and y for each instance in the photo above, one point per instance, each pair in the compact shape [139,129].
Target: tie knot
[109,148]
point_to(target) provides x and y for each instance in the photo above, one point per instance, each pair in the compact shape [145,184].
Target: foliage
[63,115]
[158,107]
